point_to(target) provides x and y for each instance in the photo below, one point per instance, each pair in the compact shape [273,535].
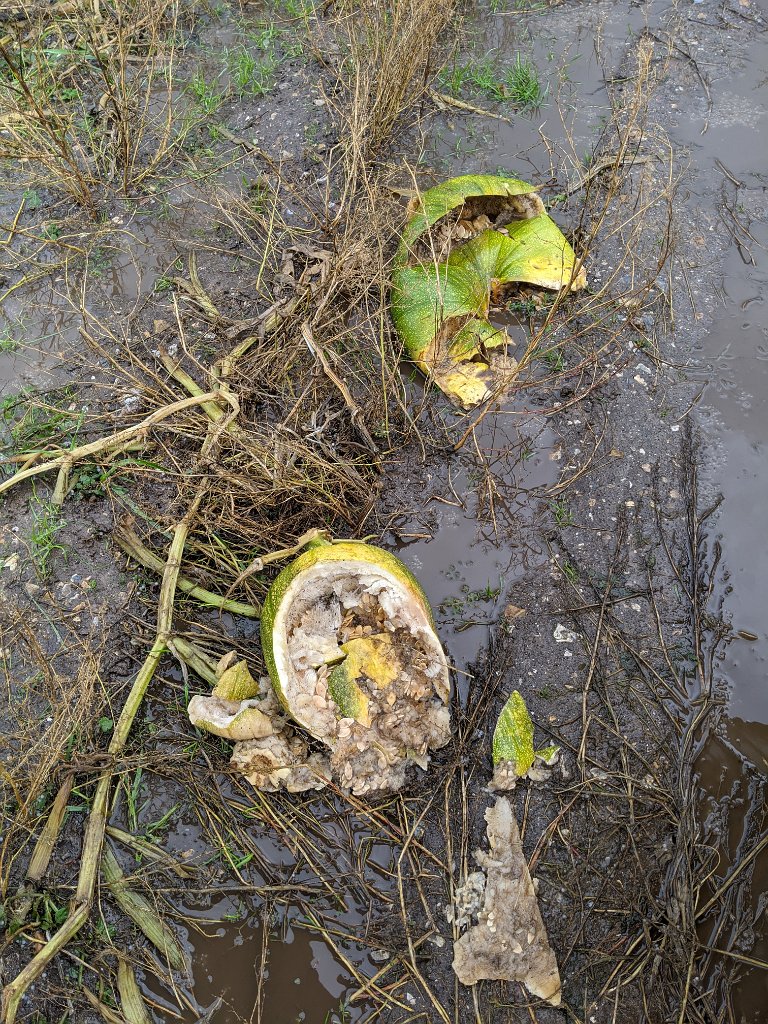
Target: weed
[265,38]
[343,1015]
[518,84]
[301,9]
[94,481]
[163,284]
[553,357]
[132,792]
[204,94]
[522,85]
[525,307]
[453,80]
[561,512]
[98,261]
[570,572]
[250,75]
[31,423]
[488,593]
[45,528]
[49,914]
[90,116]
[32,199]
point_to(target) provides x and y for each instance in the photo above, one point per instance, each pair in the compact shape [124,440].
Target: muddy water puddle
[239,974]
[732,364]
[718,132]
[468,545]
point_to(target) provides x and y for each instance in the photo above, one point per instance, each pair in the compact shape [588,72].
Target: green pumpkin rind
[425,295]
[316,553]
[513,736]
[438,201]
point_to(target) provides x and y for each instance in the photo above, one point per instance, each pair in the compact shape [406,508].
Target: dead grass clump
[87,95]
[390,54]
[52,702]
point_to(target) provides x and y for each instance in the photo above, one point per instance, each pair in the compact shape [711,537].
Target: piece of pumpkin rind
[513,736]
[436,202]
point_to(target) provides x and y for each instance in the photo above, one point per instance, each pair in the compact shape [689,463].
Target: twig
[442,100]
[116,442]
[605,164]
[130,543]
[354,408]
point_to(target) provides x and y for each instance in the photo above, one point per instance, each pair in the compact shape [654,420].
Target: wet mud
[483,551]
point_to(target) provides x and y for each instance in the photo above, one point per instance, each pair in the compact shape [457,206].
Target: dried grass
[87,95]
[51,701]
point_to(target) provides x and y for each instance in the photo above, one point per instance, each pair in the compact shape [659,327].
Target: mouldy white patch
[281,761]
[563,635]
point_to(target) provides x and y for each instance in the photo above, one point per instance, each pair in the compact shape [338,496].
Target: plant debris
[465,244]
[514,756]
[354,660]
[509,942]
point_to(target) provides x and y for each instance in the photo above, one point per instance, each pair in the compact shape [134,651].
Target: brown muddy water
[469,573]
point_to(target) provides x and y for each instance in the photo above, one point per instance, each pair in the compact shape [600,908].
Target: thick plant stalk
[141,912]
[191,656]
[41,855]
[131,1001]
[130,543]
[80,907]
[64,463]
[277,556]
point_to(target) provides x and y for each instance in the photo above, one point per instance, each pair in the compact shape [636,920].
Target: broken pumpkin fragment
[509,942]
[351,649]
[514,756]
[354,660]
[465,242]
[233,710]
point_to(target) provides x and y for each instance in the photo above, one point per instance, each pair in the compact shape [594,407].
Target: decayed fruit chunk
[464,243]
[353,656]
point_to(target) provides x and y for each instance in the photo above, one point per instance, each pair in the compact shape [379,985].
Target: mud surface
[563,503]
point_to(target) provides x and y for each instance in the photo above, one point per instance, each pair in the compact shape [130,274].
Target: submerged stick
[443,100]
